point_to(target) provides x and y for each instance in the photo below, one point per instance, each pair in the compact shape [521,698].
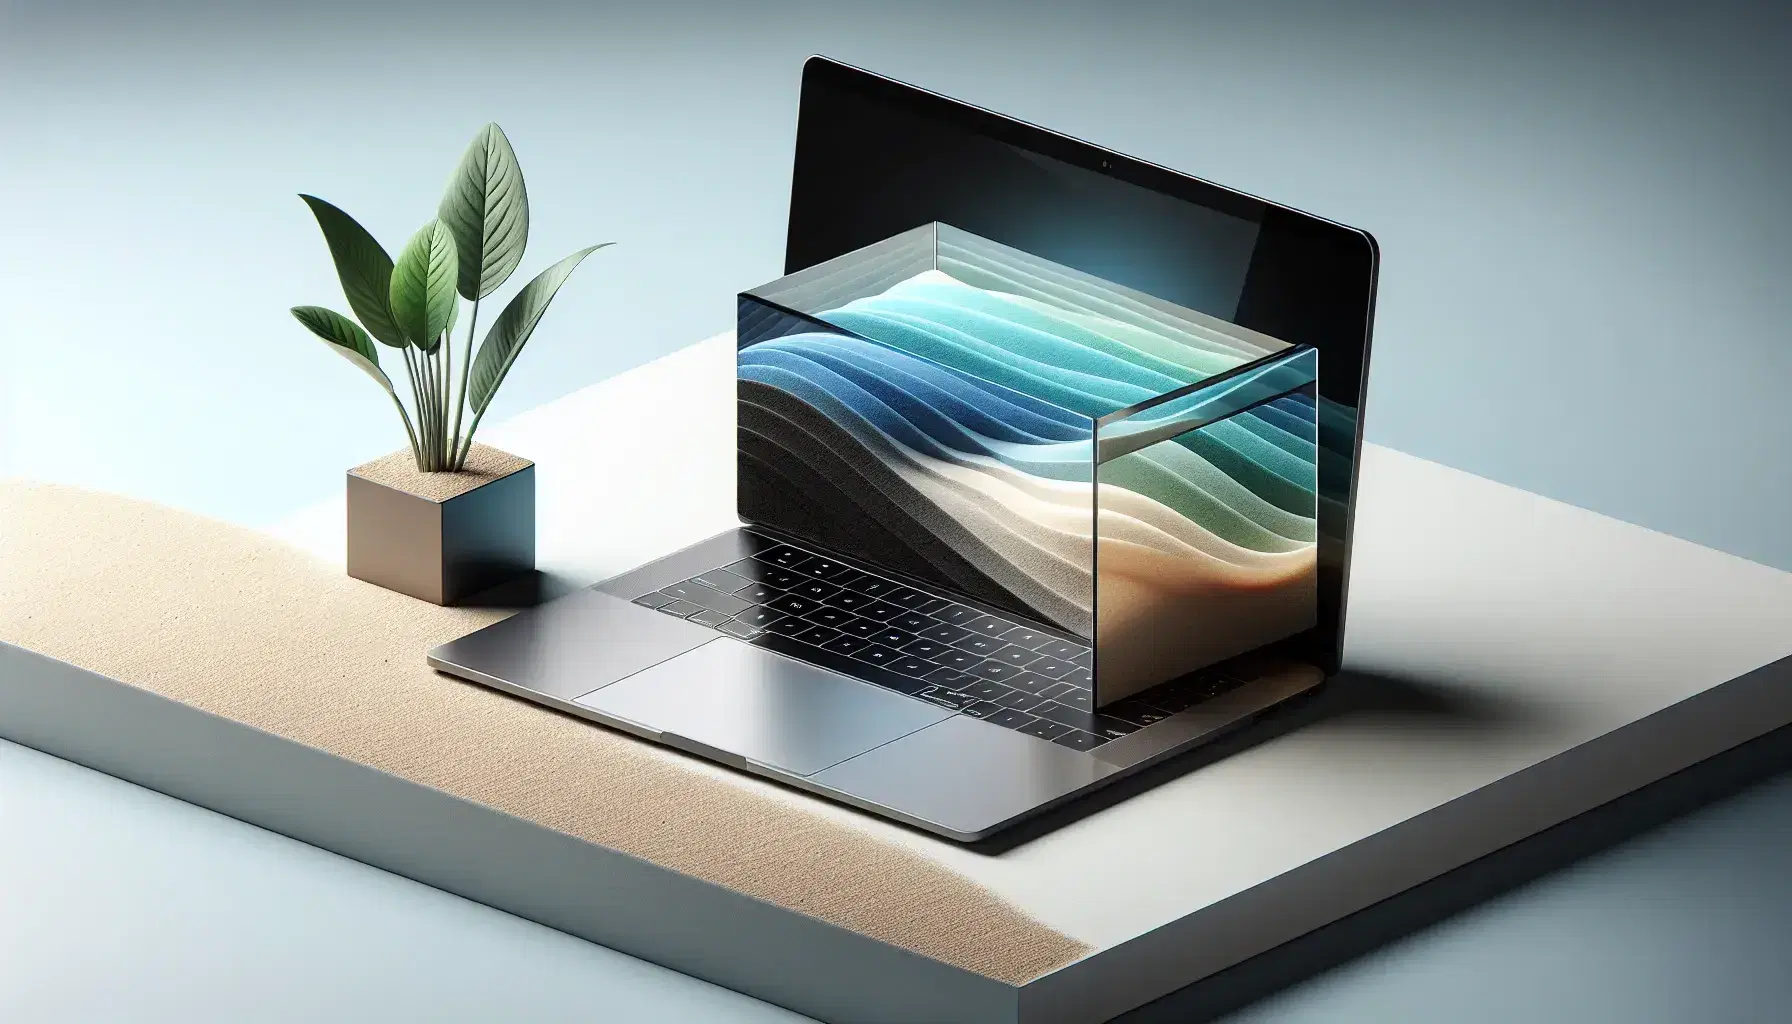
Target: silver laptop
[1047,460]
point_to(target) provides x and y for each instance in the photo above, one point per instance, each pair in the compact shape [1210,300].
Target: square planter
[442,537]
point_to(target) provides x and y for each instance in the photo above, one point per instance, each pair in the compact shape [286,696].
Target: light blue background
[1584,216]
[1585,293]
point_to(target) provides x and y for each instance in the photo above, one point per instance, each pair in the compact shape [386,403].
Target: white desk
[1504,640]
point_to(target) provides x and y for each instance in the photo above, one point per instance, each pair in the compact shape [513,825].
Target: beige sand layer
[244,626]
[399,471]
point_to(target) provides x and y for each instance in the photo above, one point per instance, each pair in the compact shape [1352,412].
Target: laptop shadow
[526,591]
[1473,884]
[1389,701]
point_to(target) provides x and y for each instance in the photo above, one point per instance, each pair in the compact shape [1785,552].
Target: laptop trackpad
[730,697]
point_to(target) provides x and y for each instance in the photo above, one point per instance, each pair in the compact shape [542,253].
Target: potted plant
[448,517]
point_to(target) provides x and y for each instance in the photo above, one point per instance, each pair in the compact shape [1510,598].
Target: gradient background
[1586,292]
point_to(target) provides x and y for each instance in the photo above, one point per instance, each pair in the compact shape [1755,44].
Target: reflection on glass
[930,404]
[1206,525]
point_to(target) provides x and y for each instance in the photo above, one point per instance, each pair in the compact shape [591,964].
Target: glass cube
[1067,450]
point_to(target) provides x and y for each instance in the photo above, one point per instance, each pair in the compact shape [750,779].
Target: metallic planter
[442,537]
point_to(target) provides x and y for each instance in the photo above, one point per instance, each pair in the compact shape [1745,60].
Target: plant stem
[408,432]
[418,447]
[467,445]
[466,371]
[446,347]
[430,373]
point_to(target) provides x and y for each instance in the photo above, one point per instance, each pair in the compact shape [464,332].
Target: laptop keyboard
[922,645]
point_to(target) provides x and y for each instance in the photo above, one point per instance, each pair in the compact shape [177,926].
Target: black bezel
[1310,281]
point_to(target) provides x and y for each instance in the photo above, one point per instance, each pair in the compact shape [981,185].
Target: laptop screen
[1045,377]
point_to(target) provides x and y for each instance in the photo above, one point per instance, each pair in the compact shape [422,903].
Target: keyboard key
[847,578]
[907,597]
[761,572]
[988,625]
[983,689]
[1077,677]
[682,609]
[880,611]
[932,606]
[876,654]
[1106,726]
[1078,699]
[1113,728]
[1138,714]
[981,646]
[1064,715]
[924,648]
[791,604]
[822,568]
[950,678]
[981,709]
[1030,682]
[872,586]
[723,580]
[839,663]
[1044,729]
[1055,689]
[1012,655]
[1020,700]
[653,600]
[1076,739]
[709,618]
[1021,636]
[944,633]
[833,618]
[817,635]
[956,701]
[848,600]
[759,618]
[707,597]
[1063,650]
[844,644]
[758,593]
[735,627]
[1051,668]
[815,590]
[911,666]
[784,555]
[861,628]
[1008,718]
[789,625]
[913,622]
[893,637]
[1085,660]
[956,614]
[993,670]
[957,659]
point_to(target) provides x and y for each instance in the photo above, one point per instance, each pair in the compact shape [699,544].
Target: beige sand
[244,626]
[399,471]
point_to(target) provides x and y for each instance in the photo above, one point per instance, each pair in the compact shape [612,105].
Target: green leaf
[423,285]
[363,268]
[512,329]
[347,338]
[487,208]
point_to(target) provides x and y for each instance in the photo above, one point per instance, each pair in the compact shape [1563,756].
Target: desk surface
[1518,626]
[1737,604]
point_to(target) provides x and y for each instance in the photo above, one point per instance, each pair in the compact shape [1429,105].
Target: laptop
[1047,459]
